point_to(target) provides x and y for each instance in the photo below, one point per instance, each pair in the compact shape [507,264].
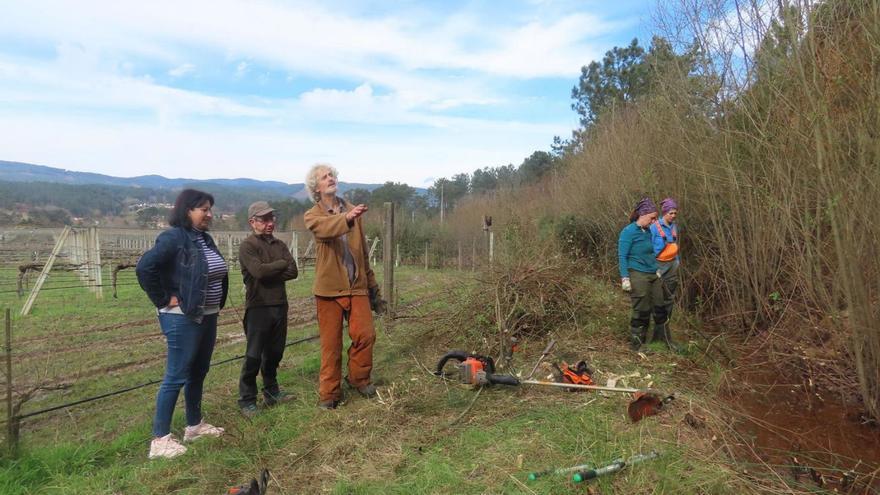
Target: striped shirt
[216,272]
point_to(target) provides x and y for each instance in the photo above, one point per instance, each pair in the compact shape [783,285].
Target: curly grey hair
[312,179]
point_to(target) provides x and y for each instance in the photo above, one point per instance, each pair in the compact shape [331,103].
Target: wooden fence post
[96,277]
[426,256]
[388,261]
[372,254]
[45,273]
[294,248]
[473,254]
[491,247]
[11,422]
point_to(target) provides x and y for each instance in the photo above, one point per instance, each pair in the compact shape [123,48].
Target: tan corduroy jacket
[331,277]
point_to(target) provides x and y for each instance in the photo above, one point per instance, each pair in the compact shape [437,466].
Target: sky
[400,91]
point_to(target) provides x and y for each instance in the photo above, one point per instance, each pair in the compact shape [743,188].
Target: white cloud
[182,70]
[241,69]
[274,154]
[108,94]
[384,51]
[65,84]
[310,37]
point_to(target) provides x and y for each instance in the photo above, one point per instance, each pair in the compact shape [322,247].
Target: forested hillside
[36,195]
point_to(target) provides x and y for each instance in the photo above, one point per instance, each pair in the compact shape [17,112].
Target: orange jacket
[331,277]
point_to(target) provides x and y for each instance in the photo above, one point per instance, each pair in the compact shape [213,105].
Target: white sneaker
[166,447]
[201,430]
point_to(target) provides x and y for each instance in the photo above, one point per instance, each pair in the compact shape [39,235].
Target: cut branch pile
[517,299]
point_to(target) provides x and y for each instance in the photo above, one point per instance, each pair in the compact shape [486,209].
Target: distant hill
[88,194]
[27,172]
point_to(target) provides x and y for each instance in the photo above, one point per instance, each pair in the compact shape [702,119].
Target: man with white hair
[345,287]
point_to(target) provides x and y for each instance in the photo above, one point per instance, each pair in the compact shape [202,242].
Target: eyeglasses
[266,219]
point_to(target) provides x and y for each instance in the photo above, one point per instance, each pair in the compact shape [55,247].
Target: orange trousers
[332,311]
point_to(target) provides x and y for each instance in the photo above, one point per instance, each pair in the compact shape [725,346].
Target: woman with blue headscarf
[639,274]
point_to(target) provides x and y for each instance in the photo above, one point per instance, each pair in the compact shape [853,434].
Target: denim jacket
[175,266]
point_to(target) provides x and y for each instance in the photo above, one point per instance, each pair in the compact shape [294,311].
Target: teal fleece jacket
[635,251]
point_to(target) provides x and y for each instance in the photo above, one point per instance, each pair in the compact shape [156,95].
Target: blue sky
[403,91]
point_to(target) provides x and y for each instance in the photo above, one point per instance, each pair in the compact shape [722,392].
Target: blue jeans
[190,346]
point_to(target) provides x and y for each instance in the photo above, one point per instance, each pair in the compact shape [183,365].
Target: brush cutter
[477,370]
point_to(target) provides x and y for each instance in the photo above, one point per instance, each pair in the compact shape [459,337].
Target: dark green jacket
[266,265]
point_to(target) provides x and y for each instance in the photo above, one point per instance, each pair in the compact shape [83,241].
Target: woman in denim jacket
[185,277]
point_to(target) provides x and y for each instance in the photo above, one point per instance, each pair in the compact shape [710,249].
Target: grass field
[422,435]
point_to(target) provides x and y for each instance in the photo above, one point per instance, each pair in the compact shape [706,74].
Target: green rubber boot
[638,337]
[663,334]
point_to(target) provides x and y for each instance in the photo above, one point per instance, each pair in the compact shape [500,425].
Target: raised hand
[355,212]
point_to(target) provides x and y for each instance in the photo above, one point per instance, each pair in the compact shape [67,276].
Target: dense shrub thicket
[774,156]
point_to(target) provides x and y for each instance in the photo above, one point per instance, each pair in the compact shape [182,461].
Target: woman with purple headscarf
[639,274]
[664,237]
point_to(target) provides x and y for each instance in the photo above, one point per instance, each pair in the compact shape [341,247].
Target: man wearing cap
[266,264]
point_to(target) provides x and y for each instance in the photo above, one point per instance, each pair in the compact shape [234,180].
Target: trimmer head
[646,403]
[254,487]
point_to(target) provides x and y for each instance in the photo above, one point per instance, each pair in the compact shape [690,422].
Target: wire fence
[73,342]
[133,387]
[85,354]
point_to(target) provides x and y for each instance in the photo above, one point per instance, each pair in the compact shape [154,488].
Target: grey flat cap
[259,209]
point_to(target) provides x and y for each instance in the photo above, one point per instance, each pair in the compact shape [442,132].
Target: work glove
[625,284]
[377,304]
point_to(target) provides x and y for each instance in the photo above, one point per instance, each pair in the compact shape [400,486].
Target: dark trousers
[670,288]
[647,299]
[266,330]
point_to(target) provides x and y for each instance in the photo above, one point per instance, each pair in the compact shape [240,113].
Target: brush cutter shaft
[616,465]
[585,387]
[543,355]
[534,476]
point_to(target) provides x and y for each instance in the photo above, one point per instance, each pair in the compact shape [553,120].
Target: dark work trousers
[647,299]
[266,330]
[669,272]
